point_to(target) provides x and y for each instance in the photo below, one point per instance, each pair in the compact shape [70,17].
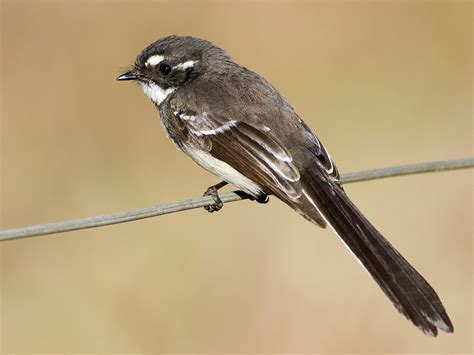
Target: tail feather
[404,286]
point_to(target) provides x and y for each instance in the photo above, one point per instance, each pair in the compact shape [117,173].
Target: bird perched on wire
[235,124]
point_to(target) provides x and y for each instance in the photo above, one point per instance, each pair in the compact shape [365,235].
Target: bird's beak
[130,75]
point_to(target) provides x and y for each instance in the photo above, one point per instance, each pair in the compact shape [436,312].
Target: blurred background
[380,82]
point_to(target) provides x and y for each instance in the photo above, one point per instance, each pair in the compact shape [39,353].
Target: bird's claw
[217,205]
[264,198]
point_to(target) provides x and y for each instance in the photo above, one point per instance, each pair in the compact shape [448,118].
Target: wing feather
[244,147]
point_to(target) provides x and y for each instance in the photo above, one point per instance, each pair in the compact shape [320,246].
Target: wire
[178,206]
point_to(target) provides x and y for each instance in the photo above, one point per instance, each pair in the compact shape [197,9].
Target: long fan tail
[405,287]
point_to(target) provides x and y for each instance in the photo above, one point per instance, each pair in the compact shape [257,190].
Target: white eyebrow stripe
[186,65]
[154,60]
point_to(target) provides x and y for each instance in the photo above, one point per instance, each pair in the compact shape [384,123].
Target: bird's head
[169,63]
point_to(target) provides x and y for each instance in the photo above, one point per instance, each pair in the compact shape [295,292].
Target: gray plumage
[235,124]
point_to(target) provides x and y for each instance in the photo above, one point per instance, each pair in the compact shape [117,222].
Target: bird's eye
[165,69]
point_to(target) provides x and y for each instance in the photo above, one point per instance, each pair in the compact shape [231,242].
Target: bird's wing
[251,149]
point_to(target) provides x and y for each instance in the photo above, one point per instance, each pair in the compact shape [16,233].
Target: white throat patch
[155,93]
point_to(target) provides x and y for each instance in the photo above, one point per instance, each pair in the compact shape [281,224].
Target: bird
[238,126]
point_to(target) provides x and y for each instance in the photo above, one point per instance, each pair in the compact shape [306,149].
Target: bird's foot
[212,191]
[263,198]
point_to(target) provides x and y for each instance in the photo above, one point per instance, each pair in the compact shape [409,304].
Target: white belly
[224,171]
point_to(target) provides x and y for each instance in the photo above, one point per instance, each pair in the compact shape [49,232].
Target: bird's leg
[212,191]
[262,198]
[217,205]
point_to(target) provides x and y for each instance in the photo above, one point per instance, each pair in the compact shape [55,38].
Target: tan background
[381,83]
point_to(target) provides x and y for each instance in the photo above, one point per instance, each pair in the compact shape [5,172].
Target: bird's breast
[223,170]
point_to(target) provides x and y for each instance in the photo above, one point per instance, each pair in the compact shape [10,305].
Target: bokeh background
[380,82]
